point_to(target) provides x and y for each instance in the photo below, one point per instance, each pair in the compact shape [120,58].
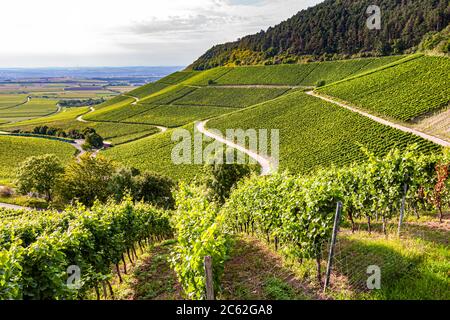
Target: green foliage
[86,180]
[333,29]
[94,139]
[156,189]
[200,233]
[436,41]
[38,247]
[221,178]
[402,92]
[320,83]
[297,212]
[10,272]
[39,174]
[80,103]
[14,150]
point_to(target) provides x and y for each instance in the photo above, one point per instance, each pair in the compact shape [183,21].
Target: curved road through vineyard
[267,165]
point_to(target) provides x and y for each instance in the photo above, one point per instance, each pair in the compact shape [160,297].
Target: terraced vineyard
[119,100]
[153,153]
[301,74]
[175,116]
[9,101]
[314,133]
[230,97]
[125,110]
[14,150]
[32,109]
[403,92]
[148,89]
[66,120]
[178,77]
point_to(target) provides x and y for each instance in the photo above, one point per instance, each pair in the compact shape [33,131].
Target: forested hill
[335,29]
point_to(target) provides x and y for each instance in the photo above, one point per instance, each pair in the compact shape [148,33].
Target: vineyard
[230,97]
[403,92]
[177,77]
[22,148]
[9,101]
[39,247]
[153,152]
[297,214]
[295,219]
[121,112]
[301,74]
[32,109]
[66,120]
[314,133]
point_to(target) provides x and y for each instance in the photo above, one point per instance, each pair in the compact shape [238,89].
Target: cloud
[167,31]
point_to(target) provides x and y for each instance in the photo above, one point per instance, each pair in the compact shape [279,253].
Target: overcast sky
[62,33]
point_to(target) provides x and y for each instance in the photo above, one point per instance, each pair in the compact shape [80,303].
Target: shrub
[320,83]
[155,189]
[220,179]
[86,180]
[39,174]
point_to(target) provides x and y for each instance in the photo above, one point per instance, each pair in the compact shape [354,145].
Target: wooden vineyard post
[337,220]
[402,209]
[209,278]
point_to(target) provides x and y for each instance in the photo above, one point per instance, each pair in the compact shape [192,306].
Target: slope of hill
[14,150]
[334,28]
[403,92]
[314,133]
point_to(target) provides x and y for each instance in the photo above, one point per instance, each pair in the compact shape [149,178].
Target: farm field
[19,148]
[314,133]
[404,92]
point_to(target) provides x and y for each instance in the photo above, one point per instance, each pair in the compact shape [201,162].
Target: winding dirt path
[267,165]
[400,127]
[80,118]
[136,99]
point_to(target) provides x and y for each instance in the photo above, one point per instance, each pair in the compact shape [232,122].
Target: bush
[86,147]
[220,179]
[123,182]
[155,189]
[200,232]
[86,180]
[320,83]
[93,138]
[39,174]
